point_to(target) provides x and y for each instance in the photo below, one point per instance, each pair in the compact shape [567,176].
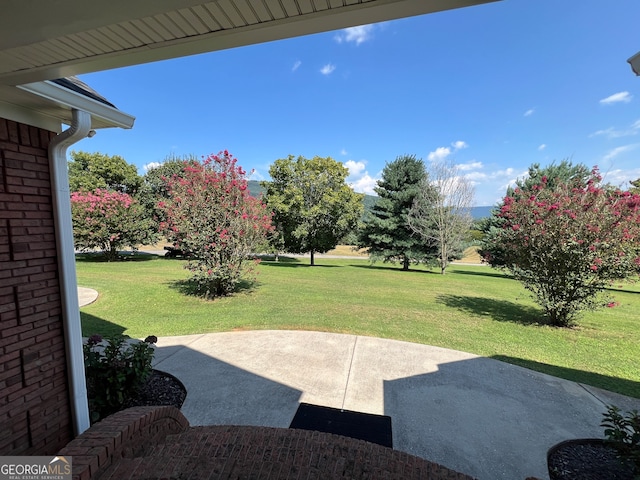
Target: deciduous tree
[567,242]
[564,172]
[109,221]
[313,206]
[386,231]
[157,178]
[210,214]
[89,171]
[155,183]
[441,212]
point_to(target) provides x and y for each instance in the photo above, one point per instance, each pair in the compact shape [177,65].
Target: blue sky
[493,88]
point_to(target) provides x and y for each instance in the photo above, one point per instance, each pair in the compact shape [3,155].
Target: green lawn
[473,309]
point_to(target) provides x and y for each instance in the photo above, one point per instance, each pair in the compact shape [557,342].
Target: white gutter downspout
[79,129]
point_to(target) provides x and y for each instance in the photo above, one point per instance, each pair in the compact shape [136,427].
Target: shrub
[109,221]
[211,215]
[623,432]
[115,369]
[567,242]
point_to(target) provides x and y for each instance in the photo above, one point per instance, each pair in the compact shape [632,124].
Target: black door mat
[363,426]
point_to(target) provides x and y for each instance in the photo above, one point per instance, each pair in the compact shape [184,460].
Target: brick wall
[34,401]
[128,433]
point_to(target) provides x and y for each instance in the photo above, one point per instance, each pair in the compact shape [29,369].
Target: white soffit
[45,40]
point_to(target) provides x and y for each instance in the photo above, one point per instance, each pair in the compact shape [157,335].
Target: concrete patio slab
[476,415]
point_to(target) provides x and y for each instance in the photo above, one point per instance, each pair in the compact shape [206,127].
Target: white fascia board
[73,100]
[635,63]
[20,114]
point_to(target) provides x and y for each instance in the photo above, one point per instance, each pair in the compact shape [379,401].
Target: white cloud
[529,112]
[255,175]
[624,97]
[441,153]
[327,69]
[475,165]
[296,65]
[611,132]
[511,182]
[621,178]
[503,178]
[476,177]
[542,147]
[359,179]
[150,166]
[355,168]
[617,151]
[507,175]
[365,184]
[343,152]
[355,35]
[491,186]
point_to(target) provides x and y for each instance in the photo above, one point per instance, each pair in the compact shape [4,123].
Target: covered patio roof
[635,63]
[47,40]
[44,41]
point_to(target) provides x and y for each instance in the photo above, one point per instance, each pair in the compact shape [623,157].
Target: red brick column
[35,415]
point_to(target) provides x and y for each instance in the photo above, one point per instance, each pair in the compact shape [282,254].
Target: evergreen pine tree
[386,232]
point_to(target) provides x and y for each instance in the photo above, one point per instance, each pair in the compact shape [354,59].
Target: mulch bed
[161,388]
[586,459]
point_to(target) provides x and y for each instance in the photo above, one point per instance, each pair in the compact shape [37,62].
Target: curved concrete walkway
[476,415]
[86,296]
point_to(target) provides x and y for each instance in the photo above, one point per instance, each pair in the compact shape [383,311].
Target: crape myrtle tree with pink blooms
[109,221]
[210,214]
[567,241]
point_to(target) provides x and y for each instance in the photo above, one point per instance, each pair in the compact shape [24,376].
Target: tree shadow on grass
[191,288]
[606,382]
[281,259]
[622,290]
[488,273]
[288,262]
[393,268]
[499,310]
[174,259]
[98,257]
[92,325]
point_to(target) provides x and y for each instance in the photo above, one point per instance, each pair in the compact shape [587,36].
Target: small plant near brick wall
[115,369]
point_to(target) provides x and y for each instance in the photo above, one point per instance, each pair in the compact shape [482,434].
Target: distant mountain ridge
[255,189]
[481,212]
